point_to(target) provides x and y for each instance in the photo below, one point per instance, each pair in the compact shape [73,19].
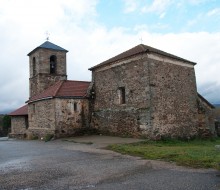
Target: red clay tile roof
[139,49]
[20,111]
[64,88]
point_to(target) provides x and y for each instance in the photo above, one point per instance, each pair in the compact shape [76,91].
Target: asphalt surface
[62,165]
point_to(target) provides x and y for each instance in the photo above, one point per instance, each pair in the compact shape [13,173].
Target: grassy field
[196,153]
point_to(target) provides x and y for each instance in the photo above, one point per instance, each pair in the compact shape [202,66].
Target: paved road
[36,165]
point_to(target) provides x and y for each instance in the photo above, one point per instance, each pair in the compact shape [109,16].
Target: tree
[6,124]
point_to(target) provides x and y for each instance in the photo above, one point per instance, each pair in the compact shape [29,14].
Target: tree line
[5,125]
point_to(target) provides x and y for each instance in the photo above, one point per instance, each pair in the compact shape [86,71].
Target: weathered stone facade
[42,117]
[40,74]
[19,126]
[71,116]
[141,92]
[206,120]
[57,116]
[160,95]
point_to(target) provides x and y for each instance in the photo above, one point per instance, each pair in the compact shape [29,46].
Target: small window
[34,66]
[121,95]
[53,60]
[75,106]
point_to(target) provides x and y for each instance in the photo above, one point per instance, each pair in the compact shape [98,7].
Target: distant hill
[3,112]
[216,105]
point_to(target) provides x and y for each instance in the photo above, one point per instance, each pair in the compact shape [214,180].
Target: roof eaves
[50,46]
[144,49]
[120,59]
[36,100]
[43,48]
[72,97]
[173,57]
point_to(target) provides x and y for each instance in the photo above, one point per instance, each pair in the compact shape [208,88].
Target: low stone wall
[206,124]
[19,126]
[41,118]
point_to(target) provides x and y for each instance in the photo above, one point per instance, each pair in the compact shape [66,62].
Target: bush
[48,137]
[32,137]
[6,124]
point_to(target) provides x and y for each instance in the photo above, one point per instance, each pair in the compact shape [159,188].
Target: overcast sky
[95,30]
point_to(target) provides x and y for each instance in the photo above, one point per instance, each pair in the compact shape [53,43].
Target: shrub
[48,137]
[32,137]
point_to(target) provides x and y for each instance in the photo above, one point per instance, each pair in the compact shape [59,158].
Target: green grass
[196,153]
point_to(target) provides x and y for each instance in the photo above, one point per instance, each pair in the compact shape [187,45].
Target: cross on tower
[47,35]
[141,39]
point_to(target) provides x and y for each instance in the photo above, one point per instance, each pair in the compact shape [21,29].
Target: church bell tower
[47,65]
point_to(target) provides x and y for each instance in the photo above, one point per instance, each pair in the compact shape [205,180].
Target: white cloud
[130,5]
[158,6]
[214,12]
[197,2]
[73,26]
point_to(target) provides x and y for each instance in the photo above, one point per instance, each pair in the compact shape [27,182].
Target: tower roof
[48,45]
[139,49]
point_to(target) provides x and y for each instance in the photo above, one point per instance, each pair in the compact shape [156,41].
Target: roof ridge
[59,86]
[77,81]
[139,49]
[144,48]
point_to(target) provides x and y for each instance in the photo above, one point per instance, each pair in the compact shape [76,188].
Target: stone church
[142,92]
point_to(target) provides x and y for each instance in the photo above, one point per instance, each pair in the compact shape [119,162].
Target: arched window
[53,62]
[34,66]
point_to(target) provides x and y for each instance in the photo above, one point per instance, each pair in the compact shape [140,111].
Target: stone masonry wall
[42,78]
[173,98]
[70,118]
[41,117]
[19,125]
[108,115]
[160,98]
[206,118]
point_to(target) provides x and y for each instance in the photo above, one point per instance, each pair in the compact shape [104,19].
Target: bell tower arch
[47,64]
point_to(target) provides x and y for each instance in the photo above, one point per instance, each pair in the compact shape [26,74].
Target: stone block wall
[160,95]
[173,98]
[108,115]
[42,78]
[42,81]
[71,116]
[41,117]
[206,119]
[19,126]
[61,117]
